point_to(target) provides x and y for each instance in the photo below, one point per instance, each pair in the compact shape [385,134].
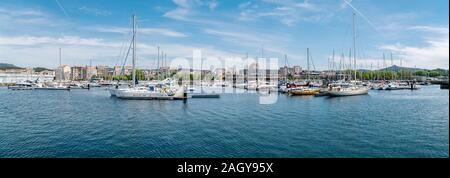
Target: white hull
[140,94]
[112,92]
[349,92]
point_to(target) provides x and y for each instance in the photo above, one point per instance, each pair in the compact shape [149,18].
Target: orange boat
[304,91]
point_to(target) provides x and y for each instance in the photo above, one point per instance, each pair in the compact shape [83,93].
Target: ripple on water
[90,123]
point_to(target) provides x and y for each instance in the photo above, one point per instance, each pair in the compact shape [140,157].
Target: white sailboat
[53,85]
[349,89]
[150,92]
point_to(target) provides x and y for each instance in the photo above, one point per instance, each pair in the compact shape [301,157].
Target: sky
[416,32]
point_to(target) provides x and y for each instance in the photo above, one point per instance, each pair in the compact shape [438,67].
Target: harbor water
[90,123]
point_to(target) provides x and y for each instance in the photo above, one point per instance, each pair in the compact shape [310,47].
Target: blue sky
[415,31]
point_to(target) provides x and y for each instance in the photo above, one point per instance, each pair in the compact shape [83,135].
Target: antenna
[61,73]
[354,43]
[333,61]
[157,67]
[134,51]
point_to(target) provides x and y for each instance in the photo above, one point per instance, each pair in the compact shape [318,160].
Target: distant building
[78,73]
[297,70]
[105,71]
[91,71]
[63,72]
[284,72]
[220,73]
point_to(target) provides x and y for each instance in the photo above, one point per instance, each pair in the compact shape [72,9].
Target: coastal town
[105,75]
[224,79]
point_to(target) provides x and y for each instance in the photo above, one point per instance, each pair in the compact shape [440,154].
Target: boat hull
[148,95]
[304,92]
[19,88]
[49,88]
[362,91]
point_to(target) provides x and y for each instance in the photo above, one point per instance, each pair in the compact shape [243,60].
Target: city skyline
[415,32]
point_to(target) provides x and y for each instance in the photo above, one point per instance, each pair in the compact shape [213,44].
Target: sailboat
[349,88]
[305,90]
[53,85]
[152,91]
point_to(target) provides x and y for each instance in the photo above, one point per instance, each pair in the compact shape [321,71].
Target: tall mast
[392,65]
[378,70]
[354,44]
[307,62]
[61,73]
[157,67]
[350,64]
[59,56]
[401,69]
[134,51]
[385,67]
[332,64]
[285,67]
[162,59]
[285,60]
[165,61]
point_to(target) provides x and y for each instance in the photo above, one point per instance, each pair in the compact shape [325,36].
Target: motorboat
[25,85]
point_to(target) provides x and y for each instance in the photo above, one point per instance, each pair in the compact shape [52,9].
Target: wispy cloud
[26,18]
[65,40]
[94,11]
[42,51]
[273,45]
[430,29]
[287,12]
[185,9]
[145,31]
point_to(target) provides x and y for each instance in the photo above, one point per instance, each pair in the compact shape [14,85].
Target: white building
[17,78]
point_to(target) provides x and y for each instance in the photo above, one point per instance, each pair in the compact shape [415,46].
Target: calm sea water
[92,124]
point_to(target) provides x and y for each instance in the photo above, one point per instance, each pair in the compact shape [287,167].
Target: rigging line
[121,52]
[126,57]
[312,61]
[122,48]
[361,14]
[62,9]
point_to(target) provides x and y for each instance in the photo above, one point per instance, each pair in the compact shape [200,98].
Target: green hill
[8,66]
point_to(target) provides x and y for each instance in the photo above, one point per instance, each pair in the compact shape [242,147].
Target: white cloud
[273,44]
[145,31]
[65,40]
[213,4]
[31,51]
[430,29]
[178,14]
[185,9]
[433,54]
[94,11]
[287,12]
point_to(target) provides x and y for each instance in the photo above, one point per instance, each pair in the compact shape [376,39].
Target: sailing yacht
[152,91]
[306,89]
[352,88]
